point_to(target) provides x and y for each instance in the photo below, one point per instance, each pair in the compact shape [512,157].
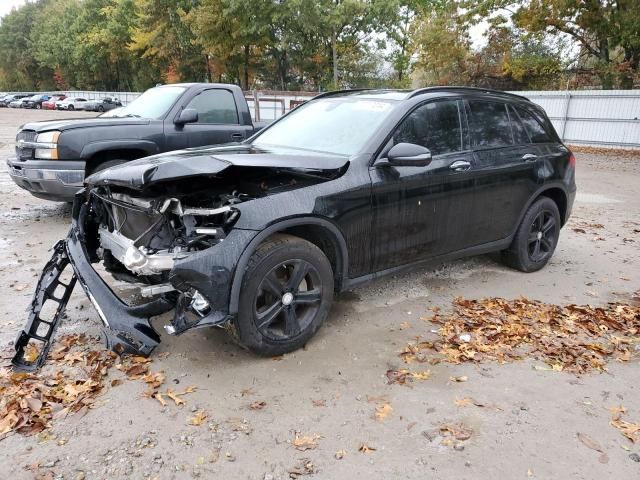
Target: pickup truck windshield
[332,125]
[153,103]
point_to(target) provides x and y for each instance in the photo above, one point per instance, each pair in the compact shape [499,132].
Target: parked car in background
[51,103]
[71,103]
[36,101]
[53,157]
[103,105]
[7,99]
[19,100]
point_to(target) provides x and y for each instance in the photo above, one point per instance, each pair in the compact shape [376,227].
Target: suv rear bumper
[48,179]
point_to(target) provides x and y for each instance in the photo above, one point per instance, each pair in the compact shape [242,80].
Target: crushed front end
[179,250]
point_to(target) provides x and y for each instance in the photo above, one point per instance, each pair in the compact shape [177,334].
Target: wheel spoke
[548,225]
[546,244]
[291,325]
[533,237]
[536,251]
[300,269]
[310,296]
[266,317]
[272,284]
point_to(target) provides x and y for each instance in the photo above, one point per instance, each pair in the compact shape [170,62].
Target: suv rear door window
[536,131]
[215,106]
[490,126]
[435,125]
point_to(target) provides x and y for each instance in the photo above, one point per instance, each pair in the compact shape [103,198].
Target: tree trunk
[334,53]
[247,50]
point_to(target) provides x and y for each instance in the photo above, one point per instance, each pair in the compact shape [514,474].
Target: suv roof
[400,94]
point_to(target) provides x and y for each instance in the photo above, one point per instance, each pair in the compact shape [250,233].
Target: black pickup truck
[53,157]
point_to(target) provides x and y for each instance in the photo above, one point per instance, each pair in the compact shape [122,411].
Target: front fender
[90,149]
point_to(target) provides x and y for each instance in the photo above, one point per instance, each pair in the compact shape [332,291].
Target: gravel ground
[332,387]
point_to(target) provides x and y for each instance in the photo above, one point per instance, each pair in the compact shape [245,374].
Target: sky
[7,5]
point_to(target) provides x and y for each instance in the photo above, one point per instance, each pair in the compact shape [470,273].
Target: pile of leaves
[574,338]
[30,401]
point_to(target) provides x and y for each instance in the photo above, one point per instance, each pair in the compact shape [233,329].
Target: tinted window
[215,106]
[435,125]
[519,134]
[490,125]
[533,127]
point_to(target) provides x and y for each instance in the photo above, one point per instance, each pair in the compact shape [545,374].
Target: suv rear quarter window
[489,124]
[534,128]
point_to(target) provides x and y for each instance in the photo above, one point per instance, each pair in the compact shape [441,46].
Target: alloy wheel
[288,299]
[542,235]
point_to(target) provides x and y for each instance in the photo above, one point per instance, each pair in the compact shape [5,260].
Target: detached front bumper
[128,327]
[57,180]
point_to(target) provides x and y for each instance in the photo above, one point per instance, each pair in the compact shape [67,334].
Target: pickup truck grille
[24,153]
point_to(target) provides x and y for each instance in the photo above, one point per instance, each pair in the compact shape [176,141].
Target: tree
[606,30]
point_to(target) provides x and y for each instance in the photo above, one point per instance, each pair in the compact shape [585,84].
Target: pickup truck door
[218,122]
[424,212]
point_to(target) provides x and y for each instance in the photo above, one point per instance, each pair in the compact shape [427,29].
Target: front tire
[70,108]
[286,294]
[536,238]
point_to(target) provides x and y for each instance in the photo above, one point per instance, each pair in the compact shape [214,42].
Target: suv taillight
[572,160]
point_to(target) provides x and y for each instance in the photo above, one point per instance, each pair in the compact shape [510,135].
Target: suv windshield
[332,125]
[153,103]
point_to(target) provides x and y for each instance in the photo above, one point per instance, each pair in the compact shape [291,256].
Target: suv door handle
[529,157]
[237,136]
[460,166]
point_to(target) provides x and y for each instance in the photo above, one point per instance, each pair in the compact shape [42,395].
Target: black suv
[257,236]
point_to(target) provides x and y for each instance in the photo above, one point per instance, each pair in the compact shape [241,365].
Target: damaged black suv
[257,237]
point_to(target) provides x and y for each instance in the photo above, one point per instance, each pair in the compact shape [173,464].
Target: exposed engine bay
[141,237]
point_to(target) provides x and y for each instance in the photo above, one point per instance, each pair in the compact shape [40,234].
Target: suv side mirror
[188,115]
[409,155]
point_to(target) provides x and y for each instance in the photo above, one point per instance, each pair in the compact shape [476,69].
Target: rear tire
[286,294]
[536,238]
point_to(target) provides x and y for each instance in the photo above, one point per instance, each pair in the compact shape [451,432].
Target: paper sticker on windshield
[372,106]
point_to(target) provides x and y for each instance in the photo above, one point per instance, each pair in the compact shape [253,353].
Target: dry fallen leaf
[589,442]
[319,403]
[364,448]
[339,455]
[457,431]
[462,378]
[383,411]
[309,442]
[304,467]
[463,402]
[199,417]
[257,405]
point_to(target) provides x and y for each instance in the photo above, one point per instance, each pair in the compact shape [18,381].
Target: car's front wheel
[70,107]
[286,294]
[536,238]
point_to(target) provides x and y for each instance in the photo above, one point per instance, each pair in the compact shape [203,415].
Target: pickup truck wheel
[536,237]
[105,165]
[286,294]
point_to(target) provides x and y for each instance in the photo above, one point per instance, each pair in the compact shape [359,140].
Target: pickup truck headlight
[47,146]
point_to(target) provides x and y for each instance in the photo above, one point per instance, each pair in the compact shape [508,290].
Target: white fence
[605,118]
[601,118]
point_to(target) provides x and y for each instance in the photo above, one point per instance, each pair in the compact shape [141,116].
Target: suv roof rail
[420,91]
[338,92]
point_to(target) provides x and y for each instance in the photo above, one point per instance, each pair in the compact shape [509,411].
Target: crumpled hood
[209,161]
[68,124]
